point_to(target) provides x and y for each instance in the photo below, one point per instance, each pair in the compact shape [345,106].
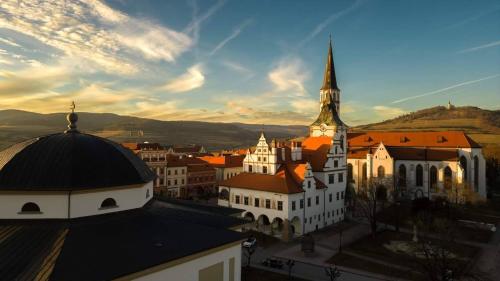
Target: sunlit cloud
[188,81]
[93,31]
[387,112]
[289,75]
[9,42]
[446,88]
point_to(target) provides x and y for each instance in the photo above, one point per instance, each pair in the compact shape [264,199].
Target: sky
[248,61]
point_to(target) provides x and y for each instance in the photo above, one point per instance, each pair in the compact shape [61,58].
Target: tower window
[108,203]
[30,207]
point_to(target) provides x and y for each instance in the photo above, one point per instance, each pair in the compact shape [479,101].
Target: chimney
[296,151]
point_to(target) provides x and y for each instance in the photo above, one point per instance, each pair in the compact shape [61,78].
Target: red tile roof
[315,150]
[226,161]
[279,183]
[408,153]
[452,139]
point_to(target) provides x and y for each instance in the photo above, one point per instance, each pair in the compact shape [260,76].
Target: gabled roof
[409,153]
[315,150]
[281,182]
[451,139]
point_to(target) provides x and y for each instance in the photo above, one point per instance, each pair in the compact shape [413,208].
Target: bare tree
[367,201]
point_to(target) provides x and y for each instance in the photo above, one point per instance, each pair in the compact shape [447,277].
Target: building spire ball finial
[72,119]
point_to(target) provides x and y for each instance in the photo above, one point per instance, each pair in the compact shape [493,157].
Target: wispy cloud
[472,18]
[194,25]
[234,66]
[188,81]
[92,31]
[9,42]
[289,75]
[446,88]
[477,48]
[236,31]
[333,17]
[387,112]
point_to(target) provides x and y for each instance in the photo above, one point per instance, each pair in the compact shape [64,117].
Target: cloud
[195,25]
[289,75]
[446,88]
[307,106]
[188,81]
[387,112]
[92,31]
[35,80]
[9,42]
[477,48]
[328,21]
[234,66]
[236,31]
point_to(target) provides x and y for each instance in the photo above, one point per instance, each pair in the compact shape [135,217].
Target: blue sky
[248,61]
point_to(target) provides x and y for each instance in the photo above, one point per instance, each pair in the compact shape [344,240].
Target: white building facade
[297,187]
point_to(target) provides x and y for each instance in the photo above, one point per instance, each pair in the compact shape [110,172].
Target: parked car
[250,242]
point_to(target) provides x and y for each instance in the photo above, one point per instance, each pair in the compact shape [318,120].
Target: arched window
[447,178]
[108,203]
[380,171]
[30,207]
[402,175]
[476,173]
[336,150]
[342,143]
[434,178]
[463,164]
[349,173]
[264,169]
[364,176]
[419,175]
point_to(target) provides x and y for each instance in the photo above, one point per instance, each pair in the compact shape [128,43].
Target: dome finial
[72,119]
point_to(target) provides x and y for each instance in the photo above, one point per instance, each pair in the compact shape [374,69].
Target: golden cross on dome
[72,106]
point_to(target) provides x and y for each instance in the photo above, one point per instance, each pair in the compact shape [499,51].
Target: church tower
[328,122]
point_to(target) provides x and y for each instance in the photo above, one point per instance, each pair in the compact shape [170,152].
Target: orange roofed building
[417,164]
[297,187]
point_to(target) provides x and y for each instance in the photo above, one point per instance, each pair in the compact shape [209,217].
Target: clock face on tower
[322,127]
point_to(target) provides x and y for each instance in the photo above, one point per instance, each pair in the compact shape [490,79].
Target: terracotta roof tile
[315,150]
[225,161]
[281,182]
[452,139]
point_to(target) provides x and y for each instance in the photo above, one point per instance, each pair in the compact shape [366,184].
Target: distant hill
[481,124]
[17,125]
[439,118]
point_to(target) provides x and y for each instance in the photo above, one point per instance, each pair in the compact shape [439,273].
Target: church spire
[329,79]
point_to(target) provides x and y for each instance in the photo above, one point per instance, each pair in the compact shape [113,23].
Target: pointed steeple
[329,78]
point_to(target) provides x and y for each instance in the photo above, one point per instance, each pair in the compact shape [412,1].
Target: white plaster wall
[189,271]
[88,203]
[52,205]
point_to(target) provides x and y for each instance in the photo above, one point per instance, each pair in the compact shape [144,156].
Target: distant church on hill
[292,188]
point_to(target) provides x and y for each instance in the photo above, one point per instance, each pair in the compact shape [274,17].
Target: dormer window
[108,203]
[308,184]
[30,208]
[335,163]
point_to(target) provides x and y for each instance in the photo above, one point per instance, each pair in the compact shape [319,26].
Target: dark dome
[70,161]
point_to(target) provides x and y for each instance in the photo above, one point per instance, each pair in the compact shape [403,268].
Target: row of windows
[332,213]
[201,179]
[331,178]
[264,169]
[107,203]
[267,202]
[230,175]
